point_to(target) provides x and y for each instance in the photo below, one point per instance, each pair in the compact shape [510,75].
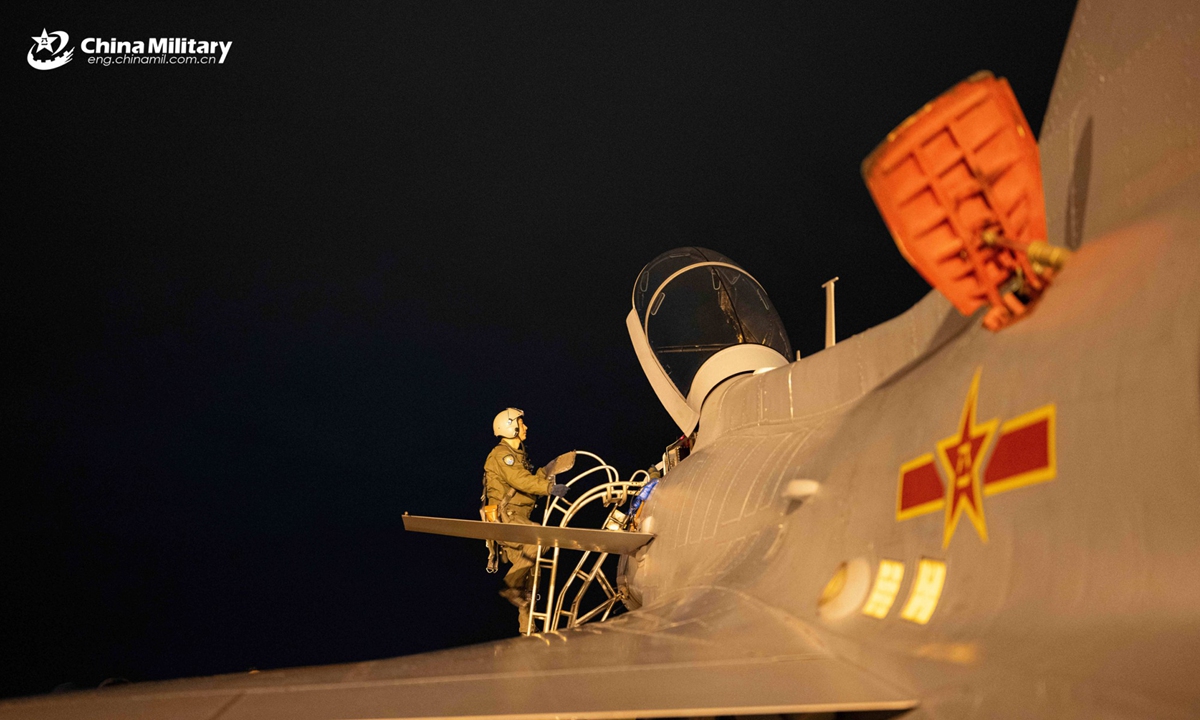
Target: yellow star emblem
[961,454]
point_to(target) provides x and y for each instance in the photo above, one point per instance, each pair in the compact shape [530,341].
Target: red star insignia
[960,455]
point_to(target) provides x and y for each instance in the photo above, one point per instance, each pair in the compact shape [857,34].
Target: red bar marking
[1020,451]
[920,485]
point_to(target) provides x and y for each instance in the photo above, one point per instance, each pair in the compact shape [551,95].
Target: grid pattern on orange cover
[965,162]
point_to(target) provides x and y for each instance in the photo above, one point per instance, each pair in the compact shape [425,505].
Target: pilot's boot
[523,616]
[518,579]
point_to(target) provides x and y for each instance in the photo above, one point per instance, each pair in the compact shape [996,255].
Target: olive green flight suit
[508,468]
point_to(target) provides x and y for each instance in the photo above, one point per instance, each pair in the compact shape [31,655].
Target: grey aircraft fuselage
[1084,598]
[1073,591]
[1070,591]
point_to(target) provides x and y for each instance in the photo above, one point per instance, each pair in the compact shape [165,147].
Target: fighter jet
[994,514]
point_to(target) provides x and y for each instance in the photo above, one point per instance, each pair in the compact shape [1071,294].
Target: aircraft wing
[609,541]
[704,652]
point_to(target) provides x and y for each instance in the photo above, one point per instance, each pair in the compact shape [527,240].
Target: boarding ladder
[551,610]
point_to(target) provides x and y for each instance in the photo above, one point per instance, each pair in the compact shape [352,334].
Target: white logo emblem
[508,459]
[46,44]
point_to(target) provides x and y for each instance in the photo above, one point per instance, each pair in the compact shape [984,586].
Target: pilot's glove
[558,490]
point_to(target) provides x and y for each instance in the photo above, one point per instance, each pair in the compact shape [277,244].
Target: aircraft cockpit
[698,319]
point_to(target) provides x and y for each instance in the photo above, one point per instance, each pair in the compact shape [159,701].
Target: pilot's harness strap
[502,508]
[487,513]
[493,513]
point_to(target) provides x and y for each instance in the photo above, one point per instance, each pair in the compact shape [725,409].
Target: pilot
[511,487]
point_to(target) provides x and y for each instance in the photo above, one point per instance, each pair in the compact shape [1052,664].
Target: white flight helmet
[505,424]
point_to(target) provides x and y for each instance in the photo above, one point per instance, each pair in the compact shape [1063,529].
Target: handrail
[613,489]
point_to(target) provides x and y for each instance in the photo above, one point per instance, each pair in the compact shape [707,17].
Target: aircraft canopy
[691,305]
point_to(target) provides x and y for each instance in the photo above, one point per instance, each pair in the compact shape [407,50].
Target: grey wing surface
[572,538]
[703,653]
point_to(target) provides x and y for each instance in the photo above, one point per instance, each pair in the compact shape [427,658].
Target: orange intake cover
[964,163]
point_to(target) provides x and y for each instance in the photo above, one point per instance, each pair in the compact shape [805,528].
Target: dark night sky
[255,311]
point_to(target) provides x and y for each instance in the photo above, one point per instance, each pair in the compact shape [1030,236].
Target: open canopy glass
[692,303]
